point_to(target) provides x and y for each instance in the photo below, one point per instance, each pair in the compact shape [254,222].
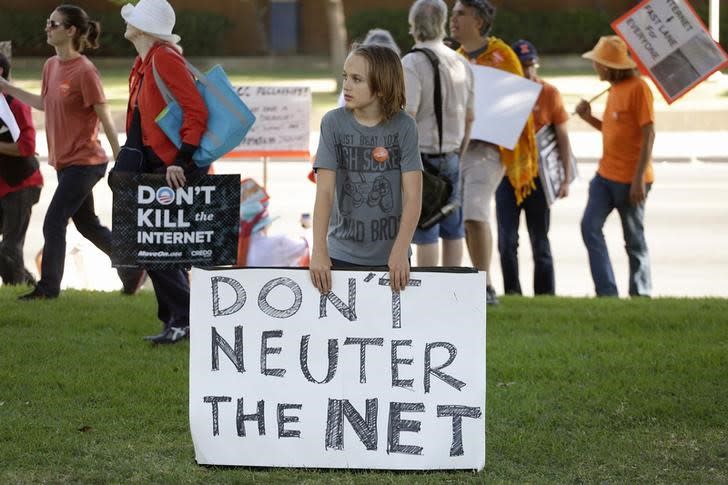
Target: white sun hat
[155,17]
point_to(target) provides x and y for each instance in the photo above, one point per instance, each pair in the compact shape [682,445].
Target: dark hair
[5,65]
[616,75]
[386,78]
[87,30]
[485,10]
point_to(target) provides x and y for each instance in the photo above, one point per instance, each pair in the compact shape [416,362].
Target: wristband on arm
[184,156]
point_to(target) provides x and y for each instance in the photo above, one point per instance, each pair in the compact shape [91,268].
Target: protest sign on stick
[671,44]
[156,226]
[504,102]
[362,377]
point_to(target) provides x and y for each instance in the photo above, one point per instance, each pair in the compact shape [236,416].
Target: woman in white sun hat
[149,27]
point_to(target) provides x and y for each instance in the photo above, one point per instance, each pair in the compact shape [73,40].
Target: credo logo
[165,195]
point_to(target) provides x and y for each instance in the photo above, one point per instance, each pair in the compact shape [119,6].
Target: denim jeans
[73,199]
[605,196]
[15,210]
[538,218]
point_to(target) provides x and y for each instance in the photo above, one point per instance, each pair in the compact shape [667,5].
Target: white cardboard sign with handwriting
[282,376]
[281,120]
[671,43]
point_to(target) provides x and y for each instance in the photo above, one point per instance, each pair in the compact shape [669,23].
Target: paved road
[687,212]
[687,229]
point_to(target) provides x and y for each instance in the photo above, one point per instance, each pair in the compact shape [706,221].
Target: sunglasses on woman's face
[53,25]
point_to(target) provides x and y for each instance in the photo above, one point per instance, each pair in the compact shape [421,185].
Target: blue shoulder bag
[229,119]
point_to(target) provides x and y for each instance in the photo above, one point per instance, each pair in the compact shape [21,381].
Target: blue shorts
[451,227]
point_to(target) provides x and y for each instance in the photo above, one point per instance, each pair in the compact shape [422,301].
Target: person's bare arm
[7,148]
[562,137]
[638,189]
[399,267]
[32,100]
[469,118]
[583,109]
[102,111]
[320,266]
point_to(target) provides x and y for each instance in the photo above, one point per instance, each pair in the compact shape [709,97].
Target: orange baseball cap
[611,51]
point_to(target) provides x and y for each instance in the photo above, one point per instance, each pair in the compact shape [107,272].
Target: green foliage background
[202,33]
[568,31]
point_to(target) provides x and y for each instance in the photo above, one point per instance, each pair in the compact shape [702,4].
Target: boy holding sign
[624,176]
[369,173]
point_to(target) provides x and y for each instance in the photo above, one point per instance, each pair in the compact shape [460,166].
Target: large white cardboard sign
[503,102]
[282,376]
[671,44]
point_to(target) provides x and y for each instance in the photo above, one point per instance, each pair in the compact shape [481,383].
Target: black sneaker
[490,298]
[132,279]
[37,294]
[170,335]
[28,278]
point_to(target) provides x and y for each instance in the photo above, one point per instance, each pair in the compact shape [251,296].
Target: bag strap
[162,86]
[435,61]
[202,78]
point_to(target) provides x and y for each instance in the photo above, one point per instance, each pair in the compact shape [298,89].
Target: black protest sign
[156,227]
[550,166]
[361,377]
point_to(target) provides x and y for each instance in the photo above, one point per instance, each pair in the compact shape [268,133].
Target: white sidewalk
[686,221]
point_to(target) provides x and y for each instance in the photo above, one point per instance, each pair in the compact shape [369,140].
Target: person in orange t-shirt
[549,110]
[73,101]
[624,176]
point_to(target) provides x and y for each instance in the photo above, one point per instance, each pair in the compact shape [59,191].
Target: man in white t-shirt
[427,25]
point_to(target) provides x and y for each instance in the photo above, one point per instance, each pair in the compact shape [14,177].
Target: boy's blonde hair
[386,78]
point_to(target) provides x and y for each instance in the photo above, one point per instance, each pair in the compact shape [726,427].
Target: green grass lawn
[579,391]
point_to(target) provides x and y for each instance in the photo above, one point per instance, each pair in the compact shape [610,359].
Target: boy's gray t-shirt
[367,205]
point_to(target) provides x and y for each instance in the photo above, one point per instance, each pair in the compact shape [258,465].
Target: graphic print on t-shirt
[371,164]
[65,88]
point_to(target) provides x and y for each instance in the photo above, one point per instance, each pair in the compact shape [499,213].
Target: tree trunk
[337,38]
[261,33]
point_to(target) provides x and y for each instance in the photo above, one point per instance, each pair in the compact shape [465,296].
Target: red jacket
[171,68]
[26,146]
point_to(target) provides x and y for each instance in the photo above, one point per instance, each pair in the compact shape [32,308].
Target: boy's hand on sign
[175,176]
[320,270]
[399,270]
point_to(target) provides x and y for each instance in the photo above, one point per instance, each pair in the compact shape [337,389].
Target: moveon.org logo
[165,195]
